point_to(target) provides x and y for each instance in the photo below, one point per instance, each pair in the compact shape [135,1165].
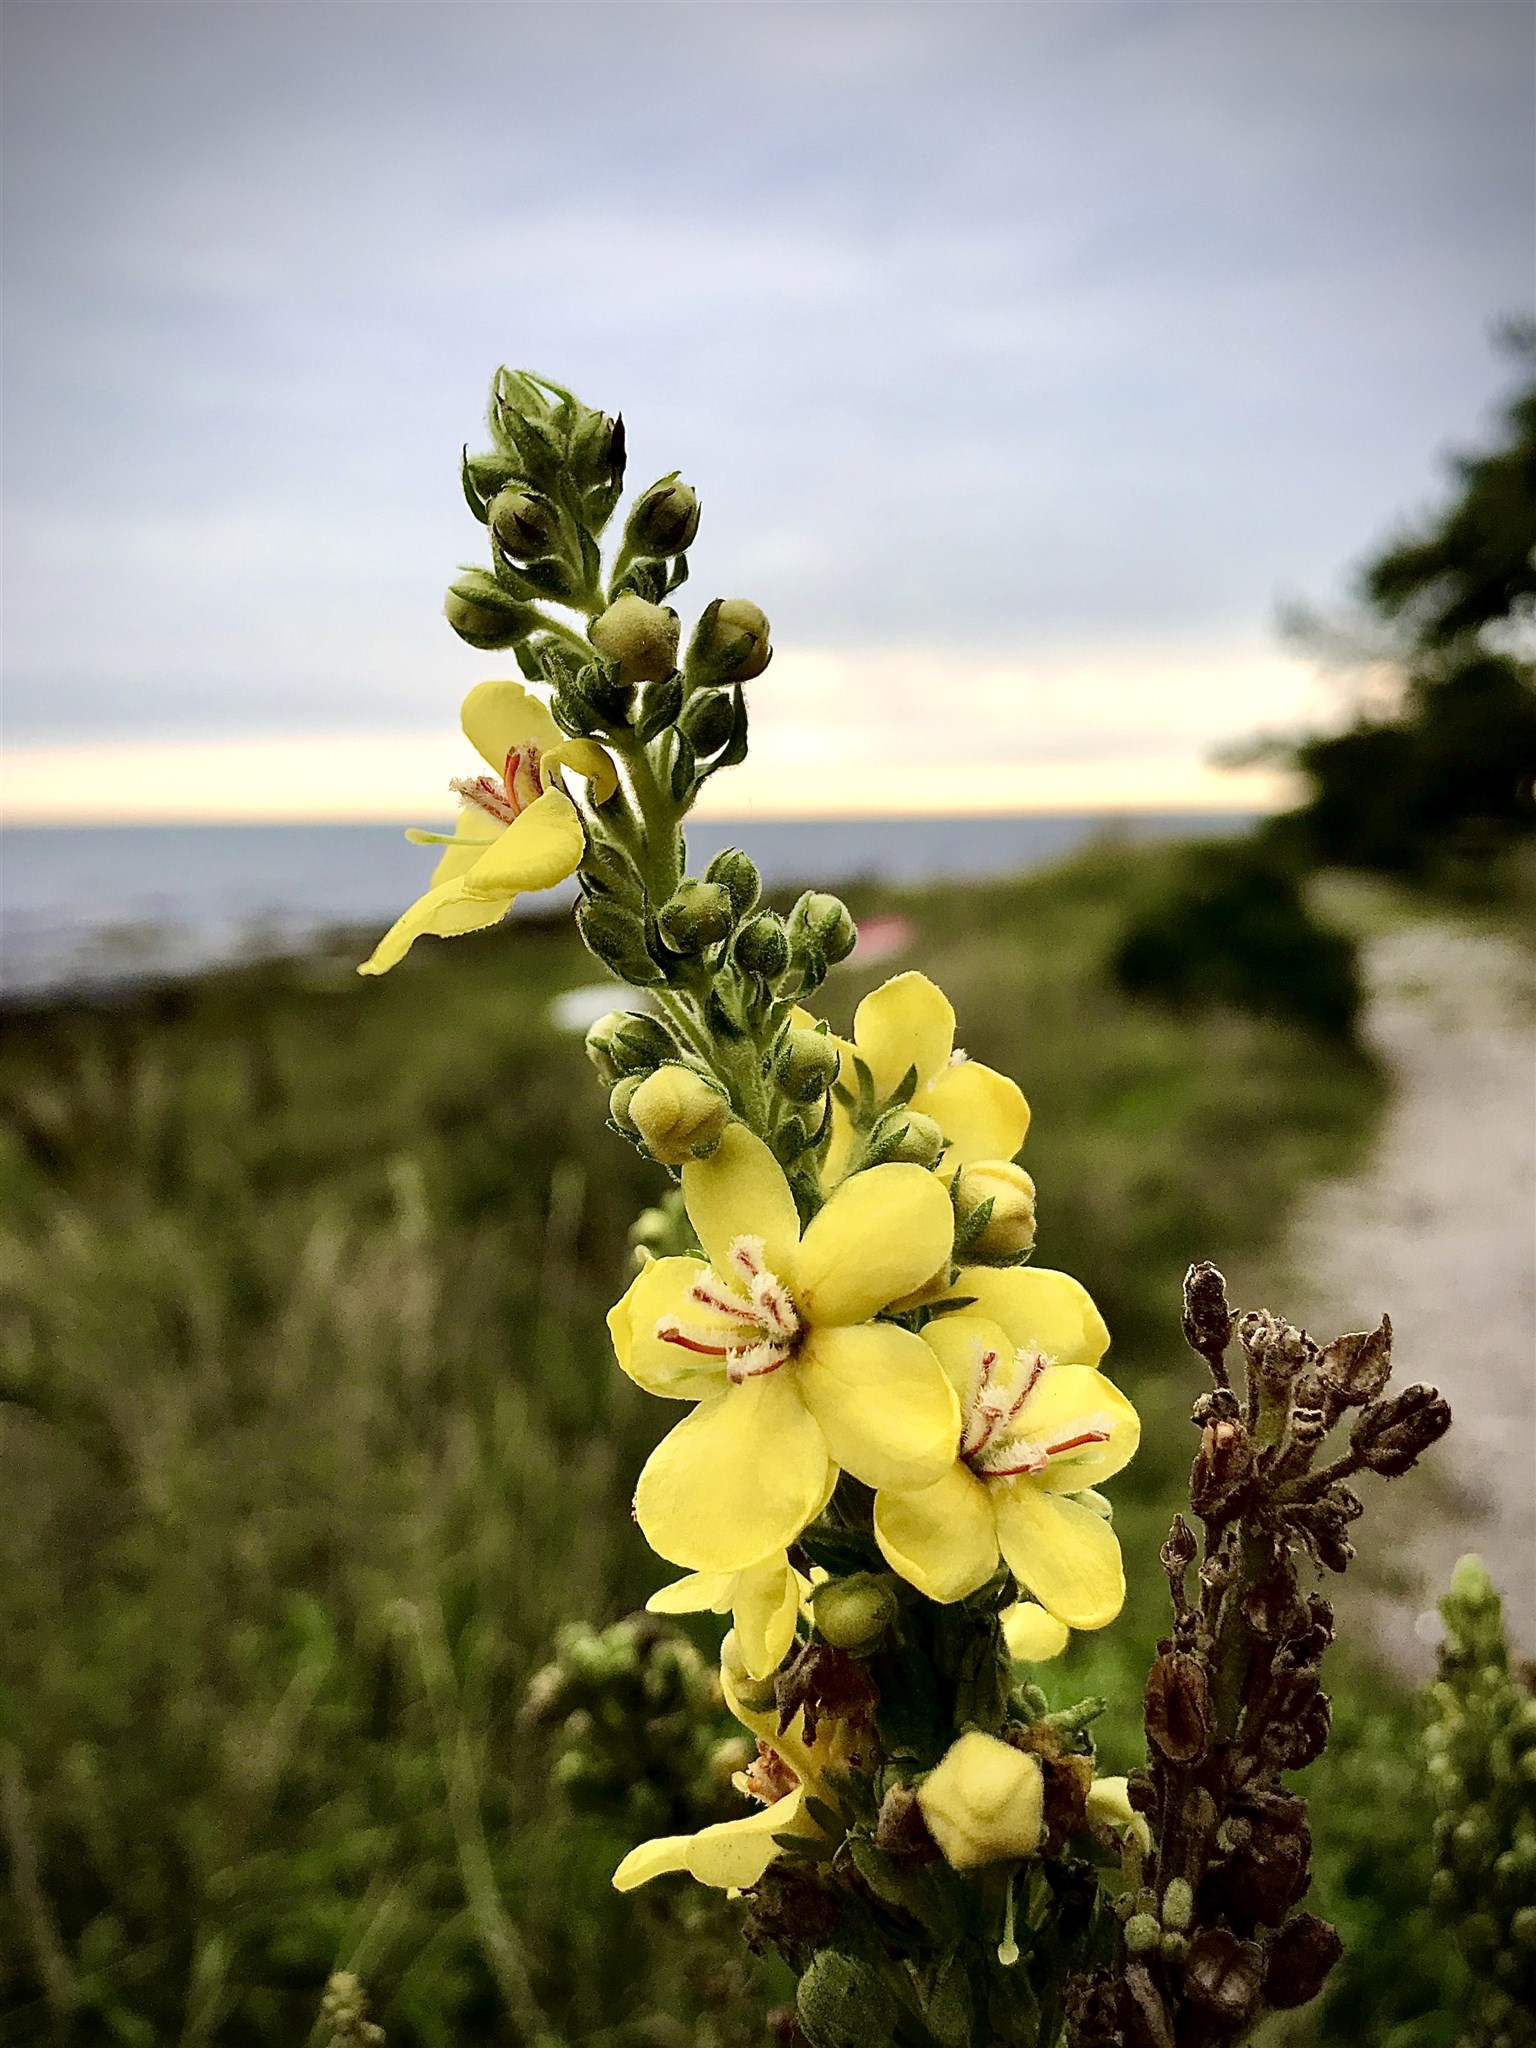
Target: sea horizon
[101,905]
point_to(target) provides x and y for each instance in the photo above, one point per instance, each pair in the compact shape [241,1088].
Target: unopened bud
[695,915]
[738,875]
[806,1064]
[824,924]
[843,2002]
[762,946]
[1178,1905]
[664,519]
[914,1139]
[730,643]
[854,1613]
[596,460]
[1009,1225]
[617,937]
[678,1114]
[984,1802]
[1143,1933]
[619,1099]
[1207,1319]
[708,719]
[640,637]
[1392,1435]
[525,523]
[481,612]
[624,1043]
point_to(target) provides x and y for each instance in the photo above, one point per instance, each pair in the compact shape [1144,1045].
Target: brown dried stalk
[1211,1937]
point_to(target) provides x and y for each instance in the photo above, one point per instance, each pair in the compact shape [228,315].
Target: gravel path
[1439,1228]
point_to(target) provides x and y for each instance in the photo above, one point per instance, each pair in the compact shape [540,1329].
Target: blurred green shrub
[1226,923]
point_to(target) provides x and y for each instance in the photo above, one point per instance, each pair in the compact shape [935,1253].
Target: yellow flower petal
[839,1147]
[1045,1312]
[733,1855]
[982,1113]
[1068,1401]
[740,1191]
[582,757]
[699,1593]
[739,1477]
[661,1289]
[906,1022]
[943,1538]
[540,847]
[765,1608]
[887,1412]
[499,716]
[652,1859]
[1033,1636]
[446,913]
[1063,1553]
[960,1342]
[882,1234]
[985,1802]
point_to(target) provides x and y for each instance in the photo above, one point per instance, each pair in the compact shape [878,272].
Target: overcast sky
[1023,355]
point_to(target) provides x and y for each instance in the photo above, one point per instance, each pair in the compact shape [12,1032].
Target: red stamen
[1073,1443]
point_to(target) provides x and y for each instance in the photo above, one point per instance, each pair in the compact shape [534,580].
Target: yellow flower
[1039,1424]
[908,1022]
[1109,1806]
[763,1601]
[517,828]
[733,1854]
[773,1335]
[984,1802]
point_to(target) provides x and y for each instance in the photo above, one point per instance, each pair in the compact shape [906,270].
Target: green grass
[313,1438]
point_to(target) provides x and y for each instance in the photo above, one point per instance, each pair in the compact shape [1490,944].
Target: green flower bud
[843,2002]
[679,1115]
[617,938]
[597,454]
[696,915]
[664,519]
[738,875]
[805,1065]
[730,643]
[1142,1934]
[1178,1905]
[525,523]
[619,1100]
[627,1042]
[707,719]
[824,924]
[762,946]
[908,1137]
[854,1613]
[1010,1226]
[640,637]
[481,612]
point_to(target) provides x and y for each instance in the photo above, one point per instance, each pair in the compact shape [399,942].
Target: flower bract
[517,829]
[774,1335]
[1039,1424]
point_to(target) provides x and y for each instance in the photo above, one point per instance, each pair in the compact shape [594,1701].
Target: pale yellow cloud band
[857,734]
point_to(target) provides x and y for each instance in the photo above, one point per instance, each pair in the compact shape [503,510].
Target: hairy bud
[843,2002]
[707,720]
[695,915]
[1207,1319]
[640,637]
[823,924]
[679,1115]
[738,876]
[481,612]
[762,946]
[526,524]
[664,519]
[805,1065]
[617,938]
[854,1613]
[626,1042]
[908,1137]
[730,644]
[1009,1226]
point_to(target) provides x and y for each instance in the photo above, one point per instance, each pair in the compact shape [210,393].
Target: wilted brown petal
[1178,1707]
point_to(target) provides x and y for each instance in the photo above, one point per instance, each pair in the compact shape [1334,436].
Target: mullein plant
[893,1428]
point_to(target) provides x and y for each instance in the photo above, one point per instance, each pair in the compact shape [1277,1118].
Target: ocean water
[113,903]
